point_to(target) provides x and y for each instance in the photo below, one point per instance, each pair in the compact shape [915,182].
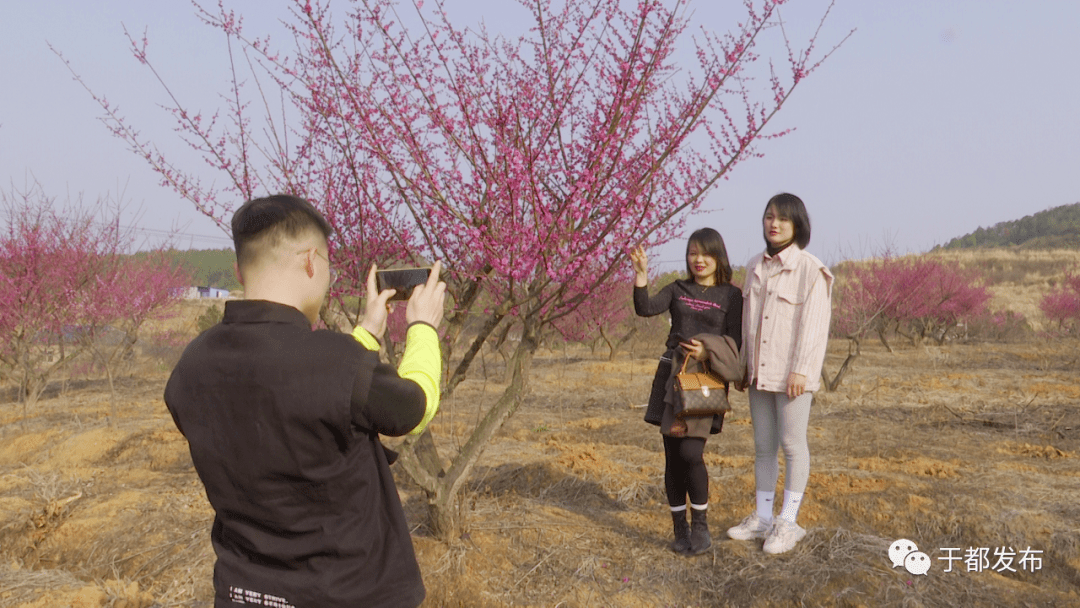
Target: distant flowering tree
[948,297]
[45,260]
[612,324]
[874,295]
[64,282]
[917,297]
[529,166]
[124,293]
[867,297]
[599,315]
[1063,304]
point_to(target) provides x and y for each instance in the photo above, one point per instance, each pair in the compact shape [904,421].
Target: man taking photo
[283,424]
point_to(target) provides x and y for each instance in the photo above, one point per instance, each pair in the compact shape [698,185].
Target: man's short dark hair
[262,223]
[791,207]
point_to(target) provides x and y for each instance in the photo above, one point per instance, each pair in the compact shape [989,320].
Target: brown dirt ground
[957,446]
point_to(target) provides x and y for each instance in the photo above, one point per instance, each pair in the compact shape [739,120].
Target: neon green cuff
[365,338]
[422,363]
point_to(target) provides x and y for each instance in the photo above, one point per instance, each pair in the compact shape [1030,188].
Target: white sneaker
[752,527]
[783,536]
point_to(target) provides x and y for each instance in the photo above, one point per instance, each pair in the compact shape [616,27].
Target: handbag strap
[686,359]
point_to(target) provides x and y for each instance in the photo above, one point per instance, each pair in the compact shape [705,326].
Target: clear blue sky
[935,118]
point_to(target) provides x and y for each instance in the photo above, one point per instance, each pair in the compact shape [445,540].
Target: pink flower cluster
[1062,305]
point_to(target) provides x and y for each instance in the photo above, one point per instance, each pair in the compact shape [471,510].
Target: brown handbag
[699,394]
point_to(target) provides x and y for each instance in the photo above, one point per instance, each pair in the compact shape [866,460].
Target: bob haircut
[711,244]
[261,224]
[791,207]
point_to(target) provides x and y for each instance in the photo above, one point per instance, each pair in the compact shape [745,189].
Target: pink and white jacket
[786,311]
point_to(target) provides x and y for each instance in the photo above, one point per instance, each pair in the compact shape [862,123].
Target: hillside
[208,267]
[1054,228]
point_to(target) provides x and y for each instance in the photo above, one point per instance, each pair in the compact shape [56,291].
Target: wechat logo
[906,553]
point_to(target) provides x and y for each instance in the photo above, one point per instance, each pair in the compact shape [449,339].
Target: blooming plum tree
[1063,304]
[948,296]
[917,297]
[44,262]
[528,165]
[596,317]
[63,280]
[124,293]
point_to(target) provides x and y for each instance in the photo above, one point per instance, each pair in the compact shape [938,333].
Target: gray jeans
[780,422]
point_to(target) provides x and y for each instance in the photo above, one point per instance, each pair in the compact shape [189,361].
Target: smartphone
[403,280]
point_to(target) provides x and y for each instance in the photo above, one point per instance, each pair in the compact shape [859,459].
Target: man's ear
[236,271]
[309,263]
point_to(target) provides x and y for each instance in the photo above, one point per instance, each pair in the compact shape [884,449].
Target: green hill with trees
[1058,227]
[208,267]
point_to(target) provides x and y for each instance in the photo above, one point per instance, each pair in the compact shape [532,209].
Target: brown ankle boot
[682,533]
[700,541]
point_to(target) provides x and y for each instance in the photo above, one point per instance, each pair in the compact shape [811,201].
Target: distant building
[194,293]
[213,292]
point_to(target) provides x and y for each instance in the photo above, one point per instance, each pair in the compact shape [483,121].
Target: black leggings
[684,470]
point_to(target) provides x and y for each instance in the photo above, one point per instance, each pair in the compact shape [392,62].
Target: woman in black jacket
[705,302]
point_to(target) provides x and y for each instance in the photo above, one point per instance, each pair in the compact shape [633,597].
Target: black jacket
[283,426]
[694,310]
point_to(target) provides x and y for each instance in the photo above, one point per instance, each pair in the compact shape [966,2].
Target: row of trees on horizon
[1055,227]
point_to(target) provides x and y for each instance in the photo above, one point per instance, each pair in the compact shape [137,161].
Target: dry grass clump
[111,512]
[19,586]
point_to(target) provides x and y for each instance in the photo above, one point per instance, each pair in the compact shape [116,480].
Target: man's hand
[426,303]
[376,308]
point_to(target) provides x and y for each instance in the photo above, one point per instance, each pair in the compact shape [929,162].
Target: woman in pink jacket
[786,310]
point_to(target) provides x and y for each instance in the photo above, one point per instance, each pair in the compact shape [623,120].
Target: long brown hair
[711,244]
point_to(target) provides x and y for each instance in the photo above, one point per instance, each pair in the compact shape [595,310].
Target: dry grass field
[973,445]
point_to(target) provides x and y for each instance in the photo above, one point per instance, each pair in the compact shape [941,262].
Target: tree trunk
[35,379]
[832,385]
[610,344]
[443,488]
[112,394]
[884,341]
[623,340]
[918,332]
[853,353]
[446,514]
[482,336]
[941,336]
